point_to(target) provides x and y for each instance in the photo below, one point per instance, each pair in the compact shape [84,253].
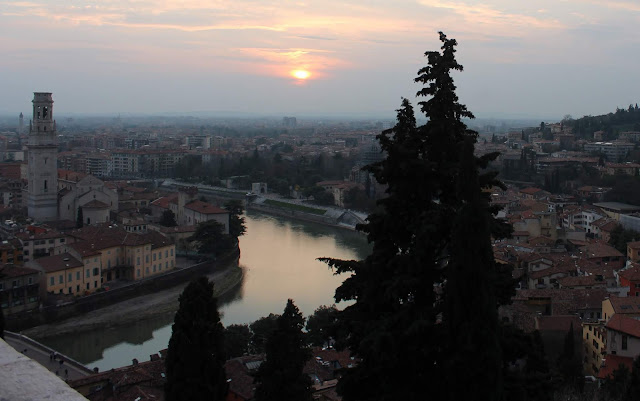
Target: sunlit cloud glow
[367,50]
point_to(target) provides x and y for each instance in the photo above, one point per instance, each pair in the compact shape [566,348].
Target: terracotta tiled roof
[625,305]
[204,208]
[633,245]
[530,191]
[580,281]
[56,263]
[625,325]
[599,250]
[164,201]
[69,175]
[558,323]
[631,274]
[95,204]
[613,362]
[15,271]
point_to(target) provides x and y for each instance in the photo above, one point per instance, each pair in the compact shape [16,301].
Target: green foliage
[617,384]
[168,219]
[356,198]
[320,195]
[237,227]
[195,358]
[211,238]
[261,329]
[294,206]
[80,218]
[321,325]
[236,340]
[281,377]
[621,236]
[623,385]
[611,124]
[533,381]
[410,295]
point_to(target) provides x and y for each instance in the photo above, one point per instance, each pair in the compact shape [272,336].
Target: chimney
[135,361]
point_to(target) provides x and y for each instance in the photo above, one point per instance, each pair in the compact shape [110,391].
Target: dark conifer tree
[281,377]
[168,219]
[570,364]
[471,313]
[400,325]
[80,218]
[195,358]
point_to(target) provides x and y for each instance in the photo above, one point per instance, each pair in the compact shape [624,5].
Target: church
[54,194]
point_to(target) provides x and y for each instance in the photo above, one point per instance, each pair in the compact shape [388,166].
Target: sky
[544,58]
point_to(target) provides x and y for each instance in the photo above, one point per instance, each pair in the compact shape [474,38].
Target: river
[278,257]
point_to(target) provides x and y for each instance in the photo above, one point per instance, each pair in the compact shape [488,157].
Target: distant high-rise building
[42,201]
[289,122]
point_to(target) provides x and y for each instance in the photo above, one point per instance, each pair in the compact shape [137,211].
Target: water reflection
[278,257]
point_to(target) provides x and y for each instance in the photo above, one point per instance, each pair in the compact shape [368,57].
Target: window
[30,282]
[624,342]
[147,270]
[52,281]
[88,273]
[70,277]
[154,257]
[138,273]
[95,284]
[146,258]
[160,255]
[61,240]
[171,251]
[87,286]
[70,290]
[61,279]
[138,261]
[96,271]
[166,253]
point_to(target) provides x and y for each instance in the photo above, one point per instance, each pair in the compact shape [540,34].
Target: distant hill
[612,124]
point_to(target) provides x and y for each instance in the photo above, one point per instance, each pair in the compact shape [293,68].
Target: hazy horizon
[278,57]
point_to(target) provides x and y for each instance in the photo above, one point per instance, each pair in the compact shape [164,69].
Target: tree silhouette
[281,377]
[168,219]
[80,218]
[195,358]
[408,294]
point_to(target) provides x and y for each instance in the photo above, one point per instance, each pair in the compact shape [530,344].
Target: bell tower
[42,201]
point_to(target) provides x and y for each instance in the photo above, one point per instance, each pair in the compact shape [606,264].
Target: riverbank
[135,309]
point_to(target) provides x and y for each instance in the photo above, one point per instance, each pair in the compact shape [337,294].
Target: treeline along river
[278,257]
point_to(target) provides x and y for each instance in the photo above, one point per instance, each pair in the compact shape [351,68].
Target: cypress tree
[471,313]
[281,377]
[80,218]
[195,358]
[410,293]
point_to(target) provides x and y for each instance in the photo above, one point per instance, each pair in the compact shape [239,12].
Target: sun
[301,74]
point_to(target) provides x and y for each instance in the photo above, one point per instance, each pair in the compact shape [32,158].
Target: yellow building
[119,254]
[65,274]
[594,338]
